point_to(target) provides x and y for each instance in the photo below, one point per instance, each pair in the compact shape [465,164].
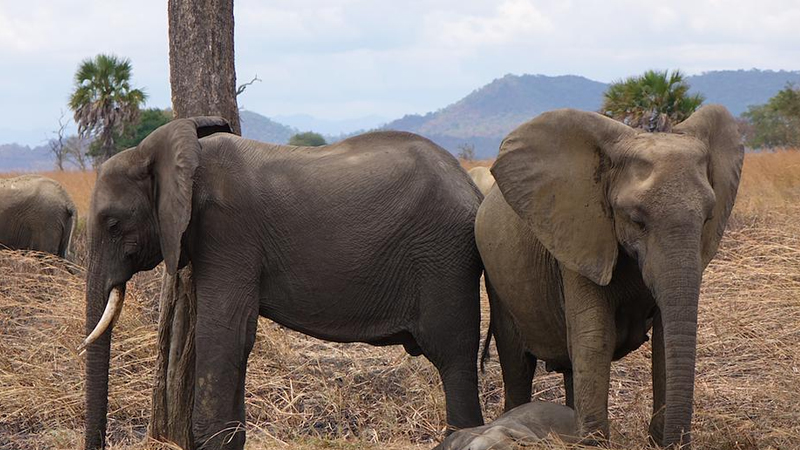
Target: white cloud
[344,58]
[512,21]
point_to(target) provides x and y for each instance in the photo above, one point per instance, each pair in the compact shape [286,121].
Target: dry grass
[307,394]
[78,184]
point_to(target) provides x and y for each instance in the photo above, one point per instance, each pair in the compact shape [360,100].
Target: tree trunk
[203,79]
[202,72]
[173,394]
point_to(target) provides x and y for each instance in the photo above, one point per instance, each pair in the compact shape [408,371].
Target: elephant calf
[522,425]
[36,213]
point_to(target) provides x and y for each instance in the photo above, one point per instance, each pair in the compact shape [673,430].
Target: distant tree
[58,145]
[308,139]
[149,120]
[466,151]
[104,101]
[776,123]
[654,101]
[76,148]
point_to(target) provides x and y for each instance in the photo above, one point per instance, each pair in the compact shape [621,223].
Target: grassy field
[307,394]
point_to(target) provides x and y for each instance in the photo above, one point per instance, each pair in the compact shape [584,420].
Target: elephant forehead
[665,148]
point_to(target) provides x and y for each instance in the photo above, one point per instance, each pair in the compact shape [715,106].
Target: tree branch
[242,87]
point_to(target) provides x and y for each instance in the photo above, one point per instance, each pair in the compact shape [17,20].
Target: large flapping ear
[715,126]
[550,171]
[172,153]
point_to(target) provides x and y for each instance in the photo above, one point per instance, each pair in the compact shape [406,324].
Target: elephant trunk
[677,299]
[98,351]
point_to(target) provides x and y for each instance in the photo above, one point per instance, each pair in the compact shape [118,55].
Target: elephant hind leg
[569,392]
[448,334]
[517,364]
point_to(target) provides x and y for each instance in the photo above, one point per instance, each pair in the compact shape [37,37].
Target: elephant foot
[656,431]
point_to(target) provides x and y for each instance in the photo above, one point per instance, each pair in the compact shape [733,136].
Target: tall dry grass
[307,394]
[78,184]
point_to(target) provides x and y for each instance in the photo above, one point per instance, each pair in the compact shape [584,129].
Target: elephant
[594,233]
[37,214]
[525,424]
[367,240]
[482,178]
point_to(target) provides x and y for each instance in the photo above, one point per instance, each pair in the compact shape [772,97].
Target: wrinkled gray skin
[36,213]
[370,239]
[522,425]
[594,232]
[482,178]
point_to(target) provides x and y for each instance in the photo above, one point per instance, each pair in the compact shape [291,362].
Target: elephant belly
[337,311]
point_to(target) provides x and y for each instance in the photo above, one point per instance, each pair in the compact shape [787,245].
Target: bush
[307,139]
[776,123]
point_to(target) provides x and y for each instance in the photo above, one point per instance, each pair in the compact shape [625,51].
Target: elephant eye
[113,226]
[639,224]
[129,247]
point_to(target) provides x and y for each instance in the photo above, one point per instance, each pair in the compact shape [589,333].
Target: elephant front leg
[591,337]
[225,334]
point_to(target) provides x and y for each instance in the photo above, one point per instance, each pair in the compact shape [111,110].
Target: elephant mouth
[109,317]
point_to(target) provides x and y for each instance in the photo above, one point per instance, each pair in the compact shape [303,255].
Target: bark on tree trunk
[203,79]
[173,394]
[202,71]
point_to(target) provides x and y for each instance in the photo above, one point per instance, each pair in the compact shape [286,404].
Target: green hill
[260,128]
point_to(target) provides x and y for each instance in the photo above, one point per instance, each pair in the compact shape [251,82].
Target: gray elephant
[522,425]
[594,232]
[482,177]
[36,213]
[370,239]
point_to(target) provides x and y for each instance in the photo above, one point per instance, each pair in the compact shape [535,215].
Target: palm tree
[654,101]
[103,101]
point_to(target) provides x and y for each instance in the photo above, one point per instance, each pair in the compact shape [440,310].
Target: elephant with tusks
[368,240]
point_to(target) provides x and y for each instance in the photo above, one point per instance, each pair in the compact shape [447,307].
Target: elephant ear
[715,126]
[172,153]
[551,172]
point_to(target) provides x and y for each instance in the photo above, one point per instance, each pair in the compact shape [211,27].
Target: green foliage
[149,120]
[654,101]
[104,102]
[776,123]
[307,139]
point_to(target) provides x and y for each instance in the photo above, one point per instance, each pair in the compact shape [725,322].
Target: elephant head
[141,207]
[589,187]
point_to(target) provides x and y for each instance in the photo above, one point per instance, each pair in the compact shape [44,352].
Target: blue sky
[352,58]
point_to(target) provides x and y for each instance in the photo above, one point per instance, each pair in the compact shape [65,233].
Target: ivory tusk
[110,315]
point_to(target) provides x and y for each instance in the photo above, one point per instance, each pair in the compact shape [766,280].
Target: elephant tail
[485,353]
[65,246]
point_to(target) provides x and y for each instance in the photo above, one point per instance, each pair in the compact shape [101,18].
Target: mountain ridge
[483,117]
